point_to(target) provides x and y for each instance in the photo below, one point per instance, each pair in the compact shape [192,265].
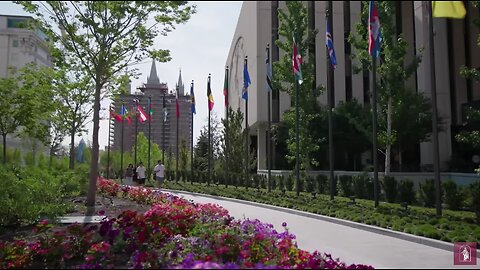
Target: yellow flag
[449,9]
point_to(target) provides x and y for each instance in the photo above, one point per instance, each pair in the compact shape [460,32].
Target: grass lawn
[454,226]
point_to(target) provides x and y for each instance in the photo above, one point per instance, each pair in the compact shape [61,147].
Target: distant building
[163,132]
[20,46]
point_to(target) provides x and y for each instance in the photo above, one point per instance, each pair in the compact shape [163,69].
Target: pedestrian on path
[141,174]
[159,173]
[129,175]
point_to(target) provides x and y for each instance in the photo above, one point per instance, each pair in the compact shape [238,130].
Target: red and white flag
[141,114]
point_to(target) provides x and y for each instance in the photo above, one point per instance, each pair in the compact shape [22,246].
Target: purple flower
[284,224]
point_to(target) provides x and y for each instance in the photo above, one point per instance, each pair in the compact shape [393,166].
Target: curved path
[377,247]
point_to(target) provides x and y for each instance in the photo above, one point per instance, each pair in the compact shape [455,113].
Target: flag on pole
[124,114]
[246,81]
[192,98]
[269,70]
[225,88]
[329,43]
[165,114]
[448,9]
[116,116]
[177,104]
[150,109]
[209,95]
[375,36]
[297,63]
[141,114]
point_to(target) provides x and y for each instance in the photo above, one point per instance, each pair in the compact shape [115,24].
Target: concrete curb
[399,235]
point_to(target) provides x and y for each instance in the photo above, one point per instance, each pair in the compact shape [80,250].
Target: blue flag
[246,81]
[81,145]
[329,43]
[192,97]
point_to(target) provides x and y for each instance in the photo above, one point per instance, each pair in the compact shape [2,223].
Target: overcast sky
[198,48]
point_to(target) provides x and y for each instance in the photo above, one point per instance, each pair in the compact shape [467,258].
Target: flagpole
[246,134]
[374,131]
[136,130]
[163,129]
[226,129]
[108,149]
[121,146]
[436,155]
[269,141]
[209,140]
[297,138]
[176,159]
[331,104]
[149,132]
[191,149]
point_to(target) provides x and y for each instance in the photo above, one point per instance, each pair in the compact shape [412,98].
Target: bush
[310,185]
[322,183]
[289,182]
[346,185]
[360,187]
[256,181]
[281,183]
[475,193]
[301,182]
[406,192]
[273,182]
[390,187]
[453,195]
[335,189]
[427,193]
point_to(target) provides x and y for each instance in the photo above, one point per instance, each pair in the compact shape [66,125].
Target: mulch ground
[111,206]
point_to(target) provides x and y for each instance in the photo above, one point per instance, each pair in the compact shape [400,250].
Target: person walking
[129,175]
[159,173]
[141,174]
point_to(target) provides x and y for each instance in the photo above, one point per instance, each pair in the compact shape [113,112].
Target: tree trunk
[51,156]
[4,148]
[72,148]
[400,161]
[92,184]
[388,149]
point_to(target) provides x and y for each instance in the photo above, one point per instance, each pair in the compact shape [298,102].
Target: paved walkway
[351,245]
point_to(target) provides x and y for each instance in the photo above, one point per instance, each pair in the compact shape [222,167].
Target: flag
[269,70]
[116,116]
[150,109]
[374,34]
[141,114]
[448,9]
[124,114]
[329,43]
[177,105]
[192,98]
[209,95]
[225,87]
[165,114]
[246,81]
[297,63]
[81,145]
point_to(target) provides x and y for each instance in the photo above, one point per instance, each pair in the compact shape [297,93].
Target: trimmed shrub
[427,193]
[390,187]
[475,193]
[310,185]
[406,192]
[322,183]
[281,183]
[263,181]
[335,186]
[453,195]
[346,185]
[289,182]
[273,182]
[360,185]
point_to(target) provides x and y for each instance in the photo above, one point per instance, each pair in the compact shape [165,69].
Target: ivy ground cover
[174,233]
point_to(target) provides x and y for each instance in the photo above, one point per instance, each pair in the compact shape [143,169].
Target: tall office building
[164,121]
[454,45]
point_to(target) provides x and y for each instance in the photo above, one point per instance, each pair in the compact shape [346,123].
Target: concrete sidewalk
[350,244]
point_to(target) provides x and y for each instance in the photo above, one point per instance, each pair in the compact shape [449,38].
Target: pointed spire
[153,78]
[180,85]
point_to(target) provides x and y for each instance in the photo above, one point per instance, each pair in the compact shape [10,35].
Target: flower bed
[174,233]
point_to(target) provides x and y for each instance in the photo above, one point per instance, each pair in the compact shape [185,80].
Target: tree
[105,37]
[392,71]
[25,104]
[183,157]
[294,22]
[201,148]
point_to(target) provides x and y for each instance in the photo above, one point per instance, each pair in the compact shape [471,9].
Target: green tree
[294,23]
[184,158]
[392,71]
[25,104]
[106,37]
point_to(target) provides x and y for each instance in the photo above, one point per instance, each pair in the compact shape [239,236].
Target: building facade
[454,46]
[163,130]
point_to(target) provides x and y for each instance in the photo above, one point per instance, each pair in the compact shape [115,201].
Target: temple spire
[180,84]
[153,78]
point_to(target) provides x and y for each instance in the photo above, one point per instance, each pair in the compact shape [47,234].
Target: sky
[198,47]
